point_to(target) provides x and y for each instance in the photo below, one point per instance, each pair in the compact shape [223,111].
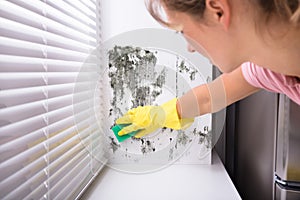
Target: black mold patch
[132,71]
[113,144]
[147,147]
[204,137]
[183,68]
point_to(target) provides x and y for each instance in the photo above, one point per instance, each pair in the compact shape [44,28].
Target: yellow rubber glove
[151,118]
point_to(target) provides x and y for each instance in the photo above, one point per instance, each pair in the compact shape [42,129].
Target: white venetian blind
[50,146]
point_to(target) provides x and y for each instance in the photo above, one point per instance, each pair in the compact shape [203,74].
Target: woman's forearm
[203,99]
[214,96]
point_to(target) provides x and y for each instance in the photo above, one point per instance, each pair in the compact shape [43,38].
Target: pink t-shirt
[275,82]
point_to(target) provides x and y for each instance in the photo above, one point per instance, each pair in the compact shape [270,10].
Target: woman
[238,36]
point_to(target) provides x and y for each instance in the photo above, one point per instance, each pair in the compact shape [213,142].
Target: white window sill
[174,182]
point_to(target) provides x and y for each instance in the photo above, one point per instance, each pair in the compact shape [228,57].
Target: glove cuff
[172,119]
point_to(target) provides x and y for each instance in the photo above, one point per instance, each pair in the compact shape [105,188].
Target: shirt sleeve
[262,78]
[275,82]
[250,74]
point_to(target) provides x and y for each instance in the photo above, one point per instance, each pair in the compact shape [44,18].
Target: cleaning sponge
[119,127]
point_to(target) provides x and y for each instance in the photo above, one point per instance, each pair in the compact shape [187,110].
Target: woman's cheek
[195,46]
[213,55]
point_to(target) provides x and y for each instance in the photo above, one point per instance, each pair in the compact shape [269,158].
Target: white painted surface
[119,16]
[178,181]
[209,182]
[119,19]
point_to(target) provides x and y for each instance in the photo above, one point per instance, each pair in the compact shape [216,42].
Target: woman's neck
[285,60]
[277,47]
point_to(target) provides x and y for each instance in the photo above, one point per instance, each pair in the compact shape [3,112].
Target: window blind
[50,143]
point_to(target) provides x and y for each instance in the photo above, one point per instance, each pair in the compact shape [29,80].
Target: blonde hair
[287,10]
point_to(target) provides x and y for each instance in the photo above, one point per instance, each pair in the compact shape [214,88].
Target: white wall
[125,15]
[121,16]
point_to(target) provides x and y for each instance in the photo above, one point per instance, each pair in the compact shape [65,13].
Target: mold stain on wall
[131,73]
[133,69]
[204,137]
[113,144]
[135,82]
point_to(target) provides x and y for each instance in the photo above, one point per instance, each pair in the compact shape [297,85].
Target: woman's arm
[212,97]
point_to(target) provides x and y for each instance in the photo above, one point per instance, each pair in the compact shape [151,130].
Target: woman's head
[217,28]
[288,10]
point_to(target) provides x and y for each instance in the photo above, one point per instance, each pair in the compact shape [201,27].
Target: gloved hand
[150,118]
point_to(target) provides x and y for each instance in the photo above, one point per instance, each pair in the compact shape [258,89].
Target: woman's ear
[220,10]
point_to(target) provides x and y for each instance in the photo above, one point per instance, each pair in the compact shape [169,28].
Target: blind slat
[23,48]
[22,80]
[11,63]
